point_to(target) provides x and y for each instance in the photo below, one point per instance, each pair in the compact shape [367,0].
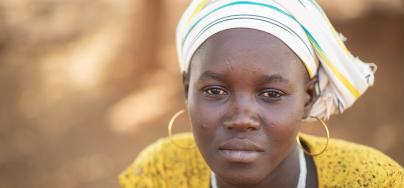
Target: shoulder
[162,164]
[354,165]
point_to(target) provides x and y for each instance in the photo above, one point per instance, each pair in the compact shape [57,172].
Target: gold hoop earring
[170,126]
[326,144]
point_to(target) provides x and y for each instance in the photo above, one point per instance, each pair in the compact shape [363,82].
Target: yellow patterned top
[344,164]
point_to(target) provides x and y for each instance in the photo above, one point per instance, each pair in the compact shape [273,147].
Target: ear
[311,95]
[185,82]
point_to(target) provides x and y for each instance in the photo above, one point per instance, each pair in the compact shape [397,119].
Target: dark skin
[246,94]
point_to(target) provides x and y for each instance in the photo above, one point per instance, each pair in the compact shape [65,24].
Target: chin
[242,180]
[244,177]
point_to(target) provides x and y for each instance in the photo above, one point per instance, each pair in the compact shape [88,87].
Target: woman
[253,71]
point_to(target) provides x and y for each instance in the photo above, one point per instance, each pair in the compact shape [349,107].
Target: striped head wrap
[301,25]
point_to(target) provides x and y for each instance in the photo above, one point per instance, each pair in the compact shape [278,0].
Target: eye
[271,94]
[214,91]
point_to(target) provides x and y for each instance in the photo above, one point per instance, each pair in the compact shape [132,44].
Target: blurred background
[85,85]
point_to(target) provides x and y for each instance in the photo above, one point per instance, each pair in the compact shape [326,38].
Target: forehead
[246,51]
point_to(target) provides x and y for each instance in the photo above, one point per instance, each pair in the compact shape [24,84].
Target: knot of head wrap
[301,25]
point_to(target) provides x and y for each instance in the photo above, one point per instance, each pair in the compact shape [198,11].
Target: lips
[240,150]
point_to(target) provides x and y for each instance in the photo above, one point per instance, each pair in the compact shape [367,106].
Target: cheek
[205,118]
[282,123]
[204,114]
[198,111]
[283,120]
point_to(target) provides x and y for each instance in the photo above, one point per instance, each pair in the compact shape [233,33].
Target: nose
[242,116]
[242,123]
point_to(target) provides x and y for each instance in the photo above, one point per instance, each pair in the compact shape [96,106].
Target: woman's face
[246,95]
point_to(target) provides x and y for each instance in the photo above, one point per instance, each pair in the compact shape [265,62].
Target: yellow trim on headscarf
[198,8]
[354,91]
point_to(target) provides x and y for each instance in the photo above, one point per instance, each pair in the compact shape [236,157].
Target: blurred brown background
[85,85]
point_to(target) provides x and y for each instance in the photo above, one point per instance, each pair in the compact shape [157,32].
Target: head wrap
[301,25]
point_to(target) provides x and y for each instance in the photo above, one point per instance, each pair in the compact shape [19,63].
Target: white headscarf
[301,25]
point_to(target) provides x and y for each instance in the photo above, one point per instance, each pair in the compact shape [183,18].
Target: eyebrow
[273,78]
[264,79]
[211,75]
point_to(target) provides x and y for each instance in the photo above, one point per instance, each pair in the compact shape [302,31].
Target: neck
[286,174]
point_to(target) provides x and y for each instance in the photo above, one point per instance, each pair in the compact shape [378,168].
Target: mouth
[240,150]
